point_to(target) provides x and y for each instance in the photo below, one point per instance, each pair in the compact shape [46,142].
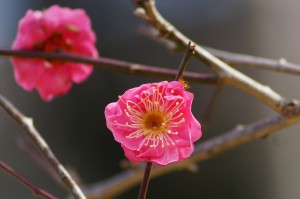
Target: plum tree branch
[237,59]
[34,188]
[205,150]
[148,12]
[117,66]
[190,50]
[121,182]
[210,106]
[26,124]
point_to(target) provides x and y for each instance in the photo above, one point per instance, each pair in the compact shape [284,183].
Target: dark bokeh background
[74,124]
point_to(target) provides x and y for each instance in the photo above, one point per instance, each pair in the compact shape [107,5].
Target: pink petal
[85,49]
[79,72]
[27,71]
[170,155]
[55,81]
[74,24]
[131,155]
[113,114]
[26,37]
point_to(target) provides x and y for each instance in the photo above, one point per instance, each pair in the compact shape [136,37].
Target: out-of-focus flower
[56,29]
[154,123]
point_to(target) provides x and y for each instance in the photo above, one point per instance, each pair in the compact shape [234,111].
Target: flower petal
[27,72]
[79,72]
[54,82]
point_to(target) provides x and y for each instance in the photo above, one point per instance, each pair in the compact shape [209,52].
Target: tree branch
[190,50]
[121,182]
[237,59]
[210,106]
[26,124]
[37,191]
[148,12]
[117,65]
[278,65]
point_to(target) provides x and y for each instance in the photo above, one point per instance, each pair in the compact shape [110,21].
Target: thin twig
[122,182]
[27,147]
[148,12]
[237,59]
[36,190]
[145,181]
[190,50]
[26,124]
[117,65]
[209,108]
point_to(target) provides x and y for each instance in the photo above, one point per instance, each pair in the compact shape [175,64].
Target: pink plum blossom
[154,123]
[56,29]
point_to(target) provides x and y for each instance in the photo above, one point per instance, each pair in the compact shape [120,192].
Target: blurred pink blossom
[154,123]
[56,29]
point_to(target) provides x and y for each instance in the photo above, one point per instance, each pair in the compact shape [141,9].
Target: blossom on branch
[154,123]
[56,29]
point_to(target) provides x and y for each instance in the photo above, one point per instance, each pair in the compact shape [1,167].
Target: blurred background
[74,125]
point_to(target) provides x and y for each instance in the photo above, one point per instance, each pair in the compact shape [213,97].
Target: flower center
[55,43]
[154,121]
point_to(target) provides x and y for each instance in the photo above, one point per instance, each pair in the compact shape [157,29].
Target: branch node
[193,168]
[140,12]
[282,61]
[291,108]
[133,68]
[239,127]
[28,121]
